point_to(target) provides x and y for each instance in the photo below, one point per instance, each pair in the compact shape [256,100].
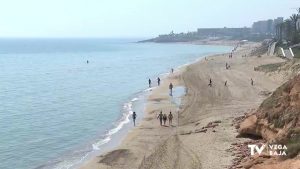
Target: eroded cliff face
[278,117]
[277,121]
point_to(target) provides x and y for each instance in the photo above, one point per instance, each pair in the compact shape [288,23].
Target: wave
[127,107]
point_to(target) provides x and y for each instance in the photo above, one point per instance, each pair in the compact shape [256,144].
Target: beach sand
[205,129]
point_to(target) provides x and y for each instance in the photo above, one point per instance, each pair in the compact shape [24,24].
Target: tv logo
[254,147]
[272,149]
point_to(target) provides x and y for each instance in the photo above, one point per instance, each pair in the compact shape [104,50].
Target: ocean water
[55,108]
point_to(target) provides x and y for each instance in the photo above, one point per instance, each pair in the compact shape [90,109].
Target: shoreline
[124,131]
[163,76]
[127,130]
[115,135]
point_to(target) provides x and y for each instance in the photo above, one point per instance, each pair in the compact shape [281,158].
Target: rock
[248,126]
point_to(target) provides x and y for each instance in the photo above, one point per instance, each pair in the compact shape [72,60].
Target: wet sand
[203,132]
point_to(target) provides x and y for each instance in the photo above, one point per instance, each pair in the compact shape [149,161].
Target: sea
[62,100]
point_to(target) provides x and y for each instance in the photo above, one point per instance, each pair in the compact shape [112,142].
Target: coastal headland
[203,132]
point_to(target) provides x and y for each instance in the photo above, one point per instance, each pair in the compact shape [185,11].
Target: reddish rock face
[278,117]
[277,120]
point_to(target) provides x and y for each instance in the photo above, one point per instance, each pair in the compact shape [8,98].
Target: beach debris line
[204,129]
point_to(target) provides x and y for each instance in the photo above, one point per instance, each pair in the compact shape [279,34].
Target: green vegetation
[269,103]
[293,146]
[296,51]
[287,33]
[269,67]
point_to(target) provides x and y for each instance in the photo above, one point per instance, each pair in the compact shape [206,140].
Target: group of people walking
[163,118]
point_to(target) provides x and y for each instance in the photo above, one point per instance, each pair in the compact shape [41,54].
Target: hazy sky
[131,18]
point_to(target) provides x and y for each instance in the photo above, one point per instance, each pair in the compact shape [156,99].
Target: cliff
[277,120]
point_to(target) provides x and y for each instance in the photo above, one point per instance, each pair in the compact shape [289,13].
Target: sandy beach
[204,130]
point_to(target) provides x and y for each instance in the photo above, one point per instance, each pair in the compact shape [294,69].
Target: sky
[131,18]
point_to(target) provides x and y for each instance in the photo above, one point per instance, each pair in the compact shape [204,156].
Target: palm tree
[294,19]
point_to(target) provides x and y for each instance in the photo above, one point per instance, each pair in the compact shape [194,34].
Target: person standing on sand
[149,81]
[186,90]
[165,119]
[134,117]
[158,81]
[172,70]
[171,89]
[170,118]
[160,117]
[210,82]
[252,82]
[225,84]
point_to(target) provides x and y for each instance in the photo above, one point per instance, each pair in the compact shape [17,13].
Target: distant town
[260,30]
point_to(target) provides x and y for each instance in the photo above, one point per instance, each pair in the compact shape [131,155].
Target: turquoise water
[55,108]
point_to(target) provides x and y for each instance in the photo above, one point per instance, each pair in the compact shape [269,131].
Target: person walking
[170,118]
[133,117]
[158,81]
[210,82]
[149,81]
[171,89]
[160,117]
[165,119]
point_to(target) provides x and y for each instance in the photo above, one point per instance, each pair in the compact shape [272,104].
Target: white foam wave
[101,142]
[135,99]
[150,89]
[124,120]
